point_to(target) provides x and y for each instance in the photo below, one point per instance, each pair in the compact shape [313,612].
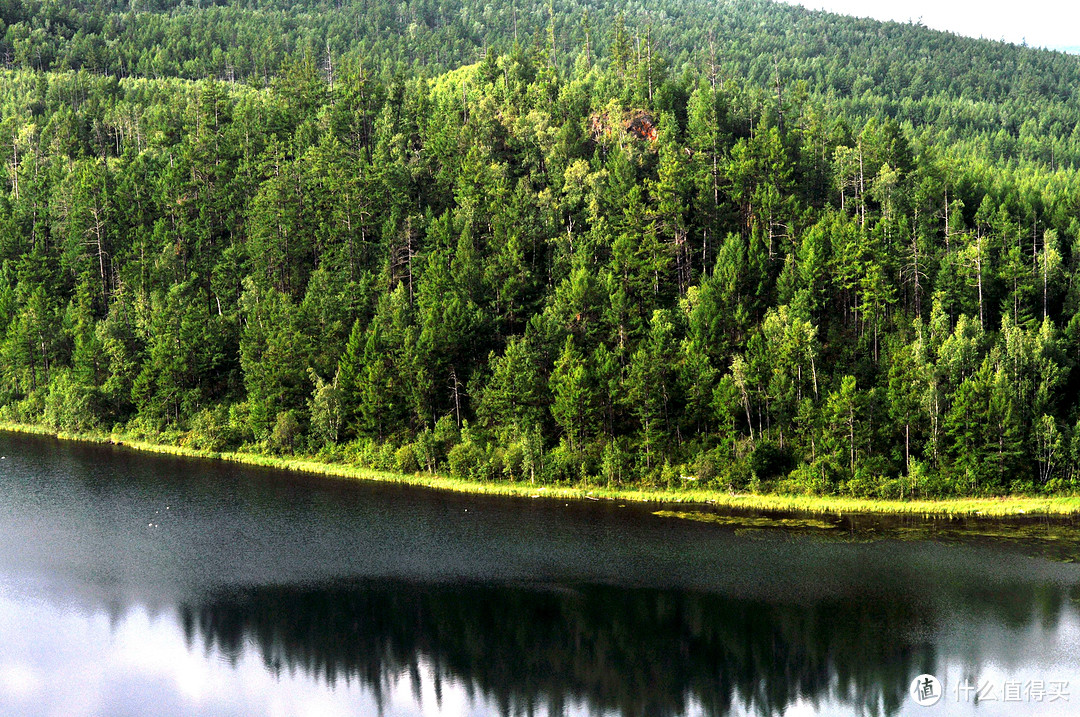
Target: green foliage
[612,252]
[286,434]
[465,459]
[216,429]
[326,409]
[67,404]
[405,460]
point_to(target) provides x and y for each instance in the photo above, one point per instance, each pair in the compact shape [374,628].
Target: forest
[739,245]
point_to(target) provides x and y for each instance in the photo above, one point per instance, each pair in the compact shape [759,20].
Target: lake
[139,584]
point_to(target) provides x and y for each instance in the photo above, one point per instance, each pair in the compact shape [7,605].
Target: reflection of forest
[640,652]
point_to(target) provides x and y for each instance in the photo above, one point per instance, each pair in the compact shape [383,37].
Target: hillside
[994,99]
[593,255]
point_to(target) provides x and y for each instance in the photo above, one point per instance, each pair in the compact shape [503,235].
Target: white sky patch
[1043,23]
[19,681]
[67,662]
[63,660]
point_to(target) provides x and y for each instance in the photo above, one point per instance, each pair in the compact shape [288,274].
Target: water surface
[135,584]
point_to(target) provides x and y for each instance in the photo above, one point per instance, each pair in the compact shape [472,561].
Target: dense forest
[737,244]
[993,99]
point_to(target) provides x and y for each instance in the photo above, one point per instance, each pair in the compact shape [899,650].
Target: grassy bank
[1001,506]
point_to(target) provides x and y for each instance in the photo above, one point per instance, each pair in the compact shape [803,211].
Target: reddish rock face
[641,125]
[637,123]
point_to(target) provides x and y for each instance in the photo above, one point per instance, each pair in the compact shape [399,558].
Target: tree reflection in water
[634,651]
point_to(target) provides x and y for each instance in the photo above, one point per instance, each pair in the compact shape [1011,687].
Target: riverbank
[951,507]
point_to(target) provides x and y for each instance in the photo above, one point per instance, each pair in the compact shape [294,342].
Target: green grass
[990,507]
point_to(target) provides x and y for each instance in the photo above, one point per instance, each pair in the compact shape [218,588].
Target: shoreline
[1004,506]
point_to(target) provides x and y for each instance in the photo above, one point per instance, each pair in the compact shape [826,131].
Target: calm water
[134,584]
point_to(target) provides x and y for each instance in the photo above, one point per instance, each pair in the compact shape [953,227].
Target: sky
[1043,23]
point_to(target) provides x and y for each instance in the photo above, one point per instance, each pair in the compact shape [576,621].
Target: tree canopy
[740,244]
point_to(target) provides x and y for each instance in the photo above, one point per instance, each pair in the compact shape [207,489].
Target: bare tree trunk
[978,268]
[907,446]
[851,439]
[455,387]
[862,188]
[15,161]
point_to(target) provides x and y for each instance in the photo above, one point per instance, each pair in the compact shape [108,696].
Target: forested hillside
[993,99]
[740,243]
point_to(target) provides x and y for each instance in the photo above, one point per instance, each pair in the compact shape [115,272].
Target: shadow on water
[631,651]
